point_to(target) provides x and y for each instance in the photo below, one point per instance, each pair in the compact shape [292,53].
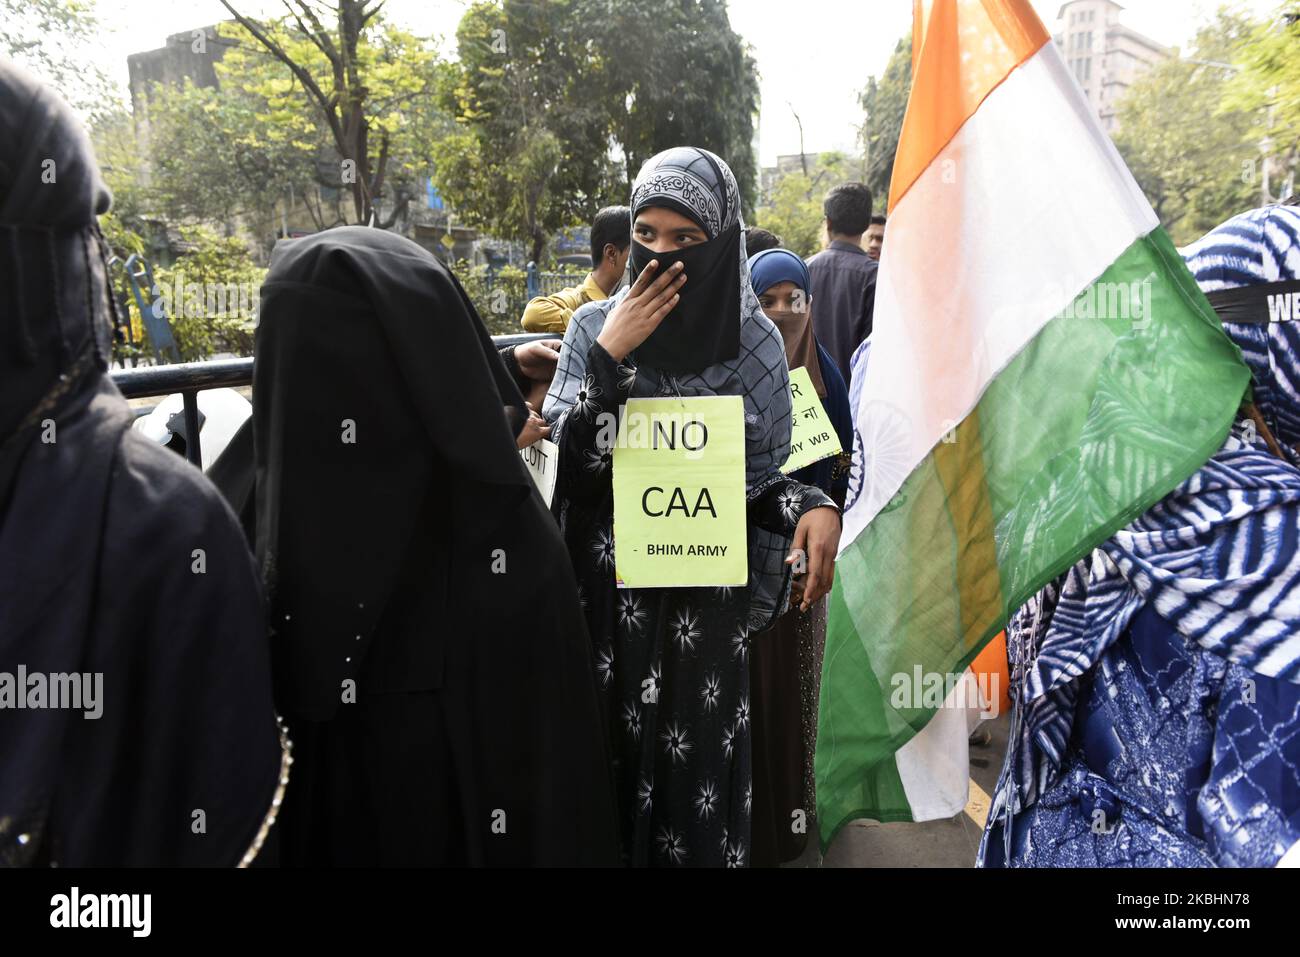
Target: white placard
[542,459]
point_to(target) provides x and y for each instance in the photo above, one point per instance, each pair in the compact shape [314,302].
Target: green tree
[365,82]
[884,102]
[558,104]
[1195,175]
[1267,86]
[530,151]
[222,153]
[51,38]
[793,209]
[121,164]
[679,75]
[127,225]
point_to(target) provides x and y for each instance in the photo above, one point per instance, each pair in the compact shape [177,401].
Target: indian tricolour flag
[1043,369]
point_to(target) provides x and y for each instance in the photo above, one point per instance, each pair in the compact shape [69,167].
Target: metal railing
[191,378]
[538,283]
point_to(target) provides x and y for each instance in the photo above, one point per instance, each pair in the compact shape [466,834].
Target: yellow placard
[813,437]
[679,493]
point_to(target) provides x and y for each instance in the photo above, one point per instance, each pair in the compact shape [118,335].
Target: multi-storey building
[1104,55]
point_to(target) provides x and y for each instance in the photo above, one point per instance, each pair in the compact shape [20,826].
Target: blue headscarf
[773,266]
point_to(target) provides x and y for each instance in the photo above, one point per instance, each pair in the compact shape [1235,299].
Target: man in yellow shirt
[611,239]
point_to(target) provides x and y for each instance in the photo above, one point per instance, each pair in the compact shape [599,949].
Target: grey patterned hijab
[692,181]
[700,185]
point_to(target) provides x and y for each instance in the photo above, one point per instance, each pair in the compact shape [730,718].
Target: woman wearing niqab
[673,664]
[429,653]
[117,560]
[786,661]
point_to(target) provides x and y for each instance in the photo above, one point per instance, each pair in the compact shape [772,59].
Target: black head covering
[406,551]
[54,297]
[369,357]
[99,533]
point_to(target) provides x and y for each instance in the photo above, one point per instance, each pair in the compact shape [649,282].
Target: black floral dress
[672,663]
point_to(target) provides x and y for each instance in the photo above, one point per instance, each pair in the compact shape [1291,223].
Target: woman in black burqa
[117,559]
[428,646]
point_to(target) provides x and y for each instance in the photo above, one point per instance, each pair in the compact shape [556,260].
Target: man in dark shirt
[844,276]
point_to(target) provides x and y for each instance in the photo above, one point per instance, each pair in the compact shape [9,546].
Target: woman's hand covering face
[646,305]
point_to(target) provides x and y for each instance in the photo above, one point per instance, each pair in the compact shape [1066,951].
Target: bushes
[499,298]
[211,296]
[124,242]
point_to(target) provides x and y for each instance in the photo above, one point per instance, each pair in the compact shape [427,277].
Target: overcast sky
[814,55]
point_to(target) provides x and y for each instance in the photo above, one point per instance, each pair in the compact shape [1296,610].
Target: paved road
[949,843]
